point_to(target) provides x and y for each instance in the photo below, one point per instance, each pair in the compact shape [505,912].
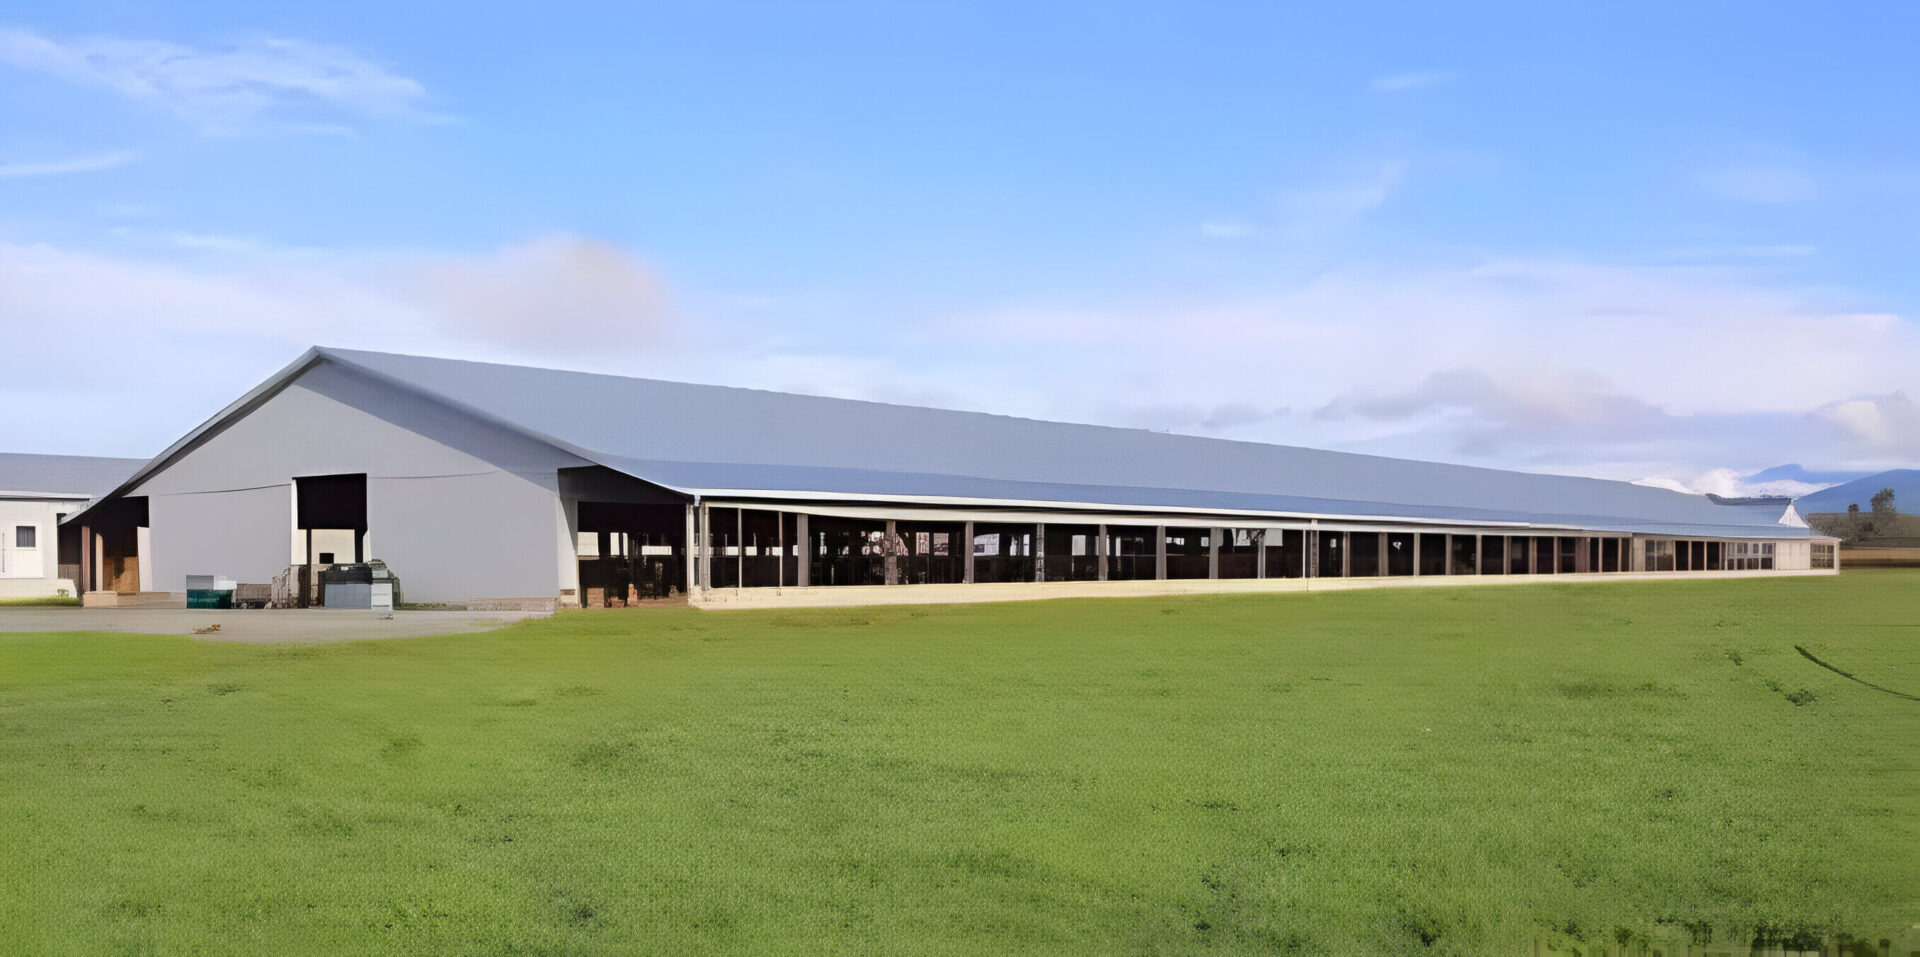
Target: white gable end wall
[451,525]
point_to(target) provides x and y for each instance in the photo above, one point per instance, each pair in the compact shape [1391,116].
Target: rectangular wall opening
[1072,553]
[1365,554]
[1187,552]
[1003,552]
[1130,553]
[1286,553]
[1433,554]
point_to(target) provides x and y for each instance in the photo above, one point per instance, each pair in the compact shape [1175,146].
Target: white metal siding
[451,525]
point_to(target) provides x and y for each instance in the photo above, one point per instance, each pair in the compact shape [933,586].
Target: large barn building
[486,484]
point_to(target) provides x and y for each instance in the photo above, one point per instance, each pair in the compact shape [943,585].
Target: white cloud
[1578,366]
[91,163]
[1402,82]
[1623,371]
[1336,203]
[531,294]
[1888,424]
[270,84]
[168,341]
[1729,483]
[1767,183]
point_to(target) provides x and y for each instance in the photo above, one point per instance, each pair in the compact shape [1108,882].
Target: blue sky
[1630,241]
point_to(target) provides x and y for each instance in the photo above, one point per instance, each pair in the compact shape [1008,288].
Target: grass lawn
[40,601]
[1361,772]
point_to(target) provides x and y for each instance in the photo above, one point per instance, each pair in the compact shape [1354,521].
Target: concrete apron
[834,596]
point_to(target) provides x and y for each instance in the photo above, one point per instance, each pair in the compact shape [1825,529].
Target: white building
[490,483]
[36,493]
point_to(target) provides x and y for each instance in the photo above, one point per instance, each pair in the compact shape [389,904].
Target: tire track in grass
[1804,653]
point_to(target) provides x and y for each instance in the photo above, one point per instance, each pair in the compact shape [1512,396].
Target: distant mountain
[1904,482]
[1800,473]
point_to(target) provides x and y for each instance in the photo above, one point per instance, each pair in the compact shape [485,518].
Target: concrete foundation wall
[1033,591]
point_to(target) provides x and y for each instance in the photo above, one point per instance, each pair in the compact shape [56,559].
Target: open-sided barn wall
[452,524]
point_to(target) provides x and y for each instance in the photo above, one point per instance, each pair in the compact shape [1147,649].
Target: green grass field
[1393,771]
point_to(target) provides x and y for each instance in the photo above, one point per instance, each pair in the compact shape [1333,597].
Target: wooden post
[803,552]
[1100,550]
[740,548]
[1039,551]
[1384,567]
[1346,554]
[1160,553]
[966,571]
[1213,552]
[1260,553]
[1416,553]
[1312,542]
[889,560]
[85,584]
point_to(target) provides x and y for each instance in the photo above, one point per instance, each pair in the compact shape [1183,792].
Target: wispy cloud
[1496,415]
[262,85]
[1402,82]
[1340,201]
[91,163]
[1768,183]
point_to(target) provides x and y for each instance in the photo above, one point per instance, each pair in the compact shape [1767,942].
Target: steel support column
[803,553]
[1100,551]
[966,570]
[1039,551]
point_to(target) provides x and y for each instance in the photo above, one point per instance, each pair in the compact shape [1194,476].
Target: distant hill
[1904,482]
[1800,473]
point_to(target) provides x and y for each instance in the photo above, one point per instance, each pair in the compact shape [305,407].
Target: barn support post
[706,548]
[1100,551]
[1416,553]
[1260,553]
[889,558]
[1213,552]
[687,549]
[966,567]
[802,552]
[85,584]
[1159,553]
[1039,551]
[739,548]
[780,539]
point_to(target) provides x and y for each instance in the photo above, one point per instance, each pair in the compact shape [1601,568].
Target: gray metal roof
[62,475]
[708,439]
